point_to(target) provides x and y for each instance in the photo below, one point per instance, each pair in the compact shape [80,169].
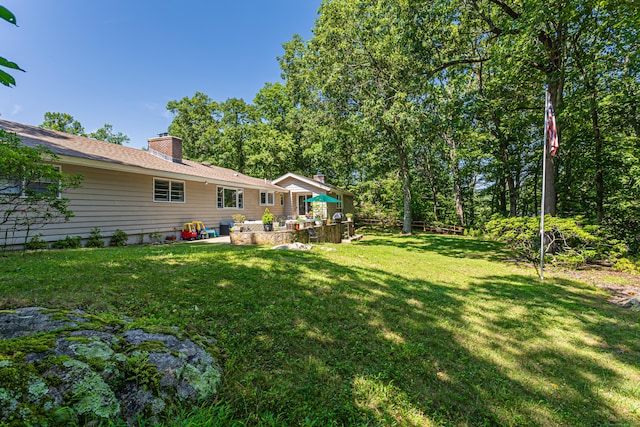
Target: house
[302,188]
[144,191]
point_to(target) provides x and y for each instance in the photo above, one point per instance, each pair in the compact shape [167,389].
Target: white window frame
[281,199]
[170,191]
[269,198]
[221,202]
[11,186]
[17,187]
[339,205]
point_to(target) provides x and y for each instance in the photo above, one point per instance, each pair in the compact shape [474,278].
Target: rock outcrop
[60,368]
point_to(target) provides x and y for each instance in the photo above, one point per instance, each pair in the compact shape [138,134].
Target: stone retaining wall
[327,234]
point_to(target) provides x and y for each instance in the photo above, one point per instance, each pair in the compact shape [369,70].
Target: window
[28,189]
[10,186]
[281,199]
[230,198]
[339,204]
[266,198]
[165,190]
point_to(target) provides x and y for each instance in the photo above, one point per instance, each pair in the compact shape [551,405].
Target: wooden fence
[424,226]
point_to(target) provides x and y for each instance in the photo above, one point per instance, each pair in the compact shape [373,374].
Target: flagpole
[544,182]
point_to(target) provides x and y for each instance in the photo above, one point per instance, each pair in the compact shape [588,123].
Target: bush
[568,240]
[95,239]
[238,218]
[36,243]
[68,243]
[119,238]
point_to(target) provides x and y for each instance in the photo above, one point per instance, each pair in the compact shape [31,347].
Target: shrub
[36,243]
[267,217]
[238,218]
[119,238]
[95,239]
[68,243]
[567,240]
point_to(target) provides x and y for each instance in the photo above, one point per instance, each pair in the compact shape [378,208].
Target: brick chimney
[166,146]
[319,177]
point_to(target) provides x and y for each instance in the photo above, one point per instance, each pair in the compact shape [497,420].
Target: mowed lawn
[392,330]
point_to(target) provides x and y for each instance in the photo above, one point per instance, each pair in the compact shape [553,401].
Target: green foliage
[30,186]
[107,134]
[238,218]
[62,122]
[6,78]
[35,243]
[570,241]
[95,239]
[354,337]
[68,243]
[119,238]
[267,217]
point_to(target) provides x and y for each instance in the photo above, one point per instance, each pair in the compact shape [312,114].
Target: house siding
[113,200]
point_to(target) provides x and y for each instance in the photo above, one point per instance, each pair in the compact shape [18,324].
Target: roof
[321,185]
[112,156]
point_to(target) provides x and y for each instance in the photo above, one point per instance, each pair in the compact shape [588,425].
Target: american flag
[552,131]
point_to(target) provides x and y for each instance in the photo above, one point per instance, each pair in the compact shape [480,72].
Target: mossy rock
[61,368]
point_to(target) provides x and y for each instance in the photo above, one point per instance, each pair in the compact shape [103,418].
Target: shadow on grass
[313,340]
[449,246]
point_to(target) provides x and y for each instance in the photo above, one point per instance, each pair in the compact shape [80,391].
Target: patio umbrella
[322,198]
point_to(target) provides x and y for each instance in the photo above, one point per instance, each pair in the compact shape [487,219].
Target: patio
[331,233]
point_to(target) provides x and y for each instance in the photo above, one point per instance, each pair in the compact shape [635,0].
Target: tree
[62,122]
[106,133]
[30,187]
[196,121]
[360,69]
[6,78]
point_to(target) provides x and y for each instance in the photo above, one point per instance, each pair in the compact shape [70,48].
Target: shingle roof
[318,184]
[64,144]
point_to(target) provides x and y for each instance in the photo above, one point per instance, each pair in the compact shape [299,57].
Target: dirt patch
[623,287]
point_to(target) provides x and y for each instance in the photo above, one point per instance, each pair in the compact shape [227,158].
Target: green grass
[392,330]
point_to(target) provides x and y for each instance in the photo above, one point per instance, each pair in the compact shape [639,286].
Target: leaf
[6,63]
[6,79]
[7,15]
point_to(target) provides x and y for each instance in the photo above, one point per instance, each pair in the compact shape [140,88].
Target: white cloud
[17,108]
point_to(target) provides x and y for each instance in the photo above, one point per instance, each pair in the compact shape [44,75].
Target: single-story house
[301,188]
[157,190]
[144,191]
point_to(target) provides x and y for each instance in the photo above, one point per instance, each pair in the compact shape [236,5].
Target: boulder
[68,367]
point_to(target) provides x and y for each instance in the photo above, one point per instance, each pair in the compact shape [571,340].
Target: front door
[302,206]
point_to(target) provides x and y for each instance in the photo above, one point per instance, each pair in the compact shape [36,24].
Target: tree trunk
[550,197]
[406,191]
[597,136]
[456,178]
[403,168]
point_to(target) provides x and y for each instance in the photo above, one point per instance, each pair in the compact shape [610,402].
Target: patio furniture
[313,235]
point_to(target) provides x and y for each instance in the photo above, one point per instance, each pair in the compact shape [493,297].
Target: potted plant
[349,217]
[238,220]
[267,220]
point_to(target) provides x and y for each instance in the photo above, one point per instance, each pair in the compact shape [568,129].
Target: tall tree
[196,121]
[359,66]
[107,134]
[62,122]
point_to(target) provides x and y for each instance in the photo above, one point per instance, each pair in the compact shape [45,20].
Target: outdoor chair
[313,235]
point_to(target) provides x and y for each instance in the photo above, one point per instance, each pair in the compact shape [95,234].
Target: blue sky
[120,62]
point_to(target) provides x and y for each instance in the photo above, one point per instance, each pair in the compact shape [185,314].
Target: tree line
[435,110]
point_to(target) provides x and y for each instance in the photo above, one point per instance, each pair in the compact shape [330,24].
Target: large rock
[59,368]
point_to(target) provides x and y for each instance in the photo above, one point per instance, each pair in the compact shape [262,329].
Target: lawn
[392,330]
